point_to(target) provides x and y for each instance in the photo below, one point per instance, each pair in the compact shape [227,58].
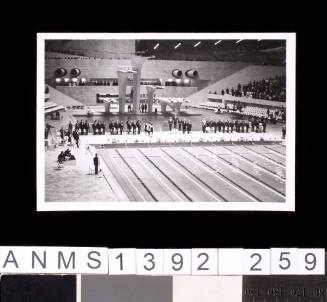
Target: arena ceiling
[261,51]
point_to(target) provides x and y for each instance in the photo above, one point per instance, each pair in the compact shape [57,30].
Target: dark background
[22,225]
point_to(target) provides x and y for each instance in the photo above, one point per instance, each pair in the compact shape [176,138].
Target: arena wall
[87,94]
[152,69]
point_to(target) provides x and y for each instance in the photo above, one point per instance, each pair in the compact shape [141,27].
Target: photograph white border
[289,204]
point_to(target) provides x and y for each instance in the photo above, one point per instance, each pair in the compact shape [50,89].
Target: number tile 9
[177,262]
[311,261]
[205,261]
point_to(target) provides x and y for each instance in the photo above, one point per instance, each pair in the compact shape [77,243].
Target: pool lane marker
[245,173]
[122,172]
[227,180]
[254,163]
[164,174]
[195,176]
[180,171]
[138,178]
[157,178]
[264,157]
[275,151]
[263,154]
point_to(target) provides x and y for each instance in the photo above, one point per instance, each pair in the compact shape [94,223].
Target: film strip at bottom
[136,288]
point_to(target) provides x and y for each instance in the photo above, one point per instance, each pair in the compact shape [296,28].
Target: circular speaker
[191,73]
[75,72]
[60,72]
[177,73]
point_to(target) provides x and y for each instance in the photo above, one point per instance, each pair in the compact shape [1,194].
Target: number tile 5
[284,261]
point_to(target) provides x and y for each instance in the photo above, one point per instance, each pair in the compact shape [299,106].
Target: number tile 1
[122,261]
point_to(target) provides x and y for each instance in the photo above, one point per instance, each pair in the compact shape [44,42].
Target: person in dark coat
[138,126]
[62,134]
[231,126]
[70,127]
[87,127]
[179,125]
[103,127]
[61,157]
[189,127]
[115,130]
[128,124]
[76,137]
[96,163]
[134,127]
[184,126]
[99,128]
[170,122]
[219,125]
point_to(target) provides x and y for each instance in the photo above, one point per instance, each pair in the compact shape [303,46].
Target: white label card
[230,261]
[177,262]
[284,261]
[311,261]
[149,262]
[53,260]
[122,261]
[256,262]
[204,261]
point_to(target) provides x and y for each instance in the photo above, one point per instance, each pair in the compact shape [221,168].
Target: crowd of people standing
[180,124]
[242,126]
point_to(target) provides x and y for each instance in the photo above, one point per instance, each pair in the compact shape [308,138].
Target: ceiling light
[238,41]
[217,42]
[156,46]
[195,45]
[176,46]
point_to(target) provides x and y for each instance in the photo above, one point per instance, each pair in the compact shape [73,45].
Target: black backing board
[22,225]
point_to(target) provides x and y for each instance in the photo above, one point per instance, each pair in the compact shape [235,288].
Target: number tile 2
[256,262]
[205,261]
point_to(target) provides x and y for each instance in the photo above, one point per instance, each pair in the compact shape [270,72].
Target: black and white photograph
[169,121]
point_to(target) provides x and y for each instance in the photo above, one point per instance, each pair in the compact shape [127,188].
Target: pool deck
[131,175]
[125,175]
